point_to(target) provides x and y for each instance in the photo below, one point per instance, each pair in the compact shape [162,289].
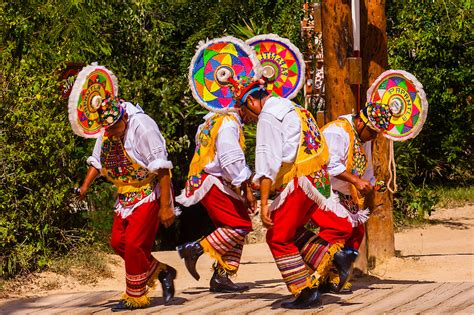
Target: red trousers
[133,238]
[233,223]
[292,215]
[334,229]
[356,237]
[225,210]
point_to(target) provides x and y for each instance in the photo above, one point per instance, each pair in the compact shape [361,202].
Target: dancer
[132,155]
[352,177]
[291,162]
[218,175]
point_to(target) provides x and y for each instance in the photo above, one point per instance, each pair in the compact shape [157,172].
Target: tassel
[311,282]
[151,283]
[334,279]
[136,302]
[215,255]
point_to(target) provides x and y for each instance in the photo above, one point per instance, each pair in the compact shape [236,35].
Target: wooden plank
[86,304]
[431,298]
[458,299]
[374,293]
[252,301]
[37,304]
[395,299]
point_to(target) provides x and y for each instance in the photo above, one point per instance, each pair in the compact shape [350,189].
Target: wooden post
[379,235]
[337,48]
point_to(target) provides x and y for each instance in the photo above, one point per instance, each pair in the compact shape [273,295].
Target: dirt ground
[442,251]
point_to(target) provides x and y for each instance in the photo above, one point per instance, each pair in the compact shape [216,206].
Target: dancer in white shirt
[131,154]
[218,175]
[291,159]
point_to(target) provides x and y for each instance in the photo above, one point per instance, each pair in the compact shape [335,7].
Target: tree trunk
[337,48]
[379,234]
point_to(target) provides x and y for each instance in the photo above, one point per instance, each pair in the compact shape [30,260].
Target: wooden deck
[370,296]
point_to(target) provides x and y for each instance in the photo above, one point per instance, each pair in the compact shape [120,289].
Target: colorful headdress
[376,116]
[93,85]
[401,92]
[282,62]
[244,87]
[110,111]
[215,62]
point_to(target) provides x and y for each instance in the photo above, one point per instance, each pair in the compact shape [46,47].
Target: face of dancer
[365,132]
[117,130]
[250,110]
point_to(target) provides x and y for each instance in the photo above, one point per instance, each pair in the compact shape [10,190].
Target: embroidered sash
[311,159]
[133,181]
[357,161]
[206,151]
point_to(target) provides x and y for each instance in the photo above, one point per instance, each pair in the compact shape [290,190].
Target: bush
[431,39]
[148,45]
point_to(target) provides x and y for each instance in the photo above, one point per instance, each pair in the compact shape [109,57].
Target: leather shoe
[190,252]
[343,261]
[331,288]
[220,283]
[166,278]
[308,298]
[122,306]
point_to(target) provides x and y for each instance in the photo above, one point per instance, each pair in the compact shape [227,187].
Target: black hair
[259,94]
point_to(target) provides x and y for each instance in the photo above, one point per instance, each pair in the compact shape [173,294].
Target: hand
[82,192]
[237,190]
[251,202]
[363,186]
[166,216]
[265,216]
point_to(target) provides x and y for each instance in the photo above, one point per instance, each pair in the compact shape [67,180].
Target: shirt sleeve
[369,172]
[338,144]
[230,154]
[94,159]
[268,150]
[152,146]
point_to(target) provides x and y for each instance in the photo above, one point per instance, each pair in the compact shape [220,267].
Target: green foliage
[455,196]
[148,45]
[432,40]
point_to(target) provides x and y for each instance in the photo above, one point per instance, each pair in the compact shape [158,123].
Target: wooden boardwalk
[370,296]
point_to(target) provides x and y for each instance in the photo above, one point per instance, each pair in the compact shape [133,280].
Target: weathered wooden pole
[337,47]
[340,71]
[380,233]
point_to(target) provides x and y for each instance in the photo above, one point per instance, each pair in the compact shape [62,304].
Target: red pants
[293,214]
[226,211]
[233,223]
[334,229]
[356,237]
[133,238]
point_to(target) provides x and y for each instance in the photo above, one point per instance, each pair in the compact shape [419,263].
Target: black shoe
[343,261]
[308,298]
[122,306]
[220,283]
[190,252]
[166,278]
[332,288]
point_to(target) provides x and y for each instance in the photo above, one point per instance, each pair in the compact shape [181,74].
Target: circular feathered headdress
[214,63]
[282,64]
[93,85]
[399,93]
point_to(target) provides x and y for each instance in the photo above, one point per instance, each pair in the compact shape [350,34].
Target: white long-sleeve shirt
[143,143]
[338,142]
[229,162]
[278,136]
